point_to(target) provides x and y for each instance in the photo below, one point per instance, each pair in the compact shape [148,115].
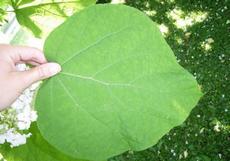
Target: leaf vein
[106,67]
[95,44]
[95,80]
[76,104]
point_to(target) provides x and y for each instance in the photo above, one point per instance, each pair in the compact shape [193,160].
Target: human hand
[13,82]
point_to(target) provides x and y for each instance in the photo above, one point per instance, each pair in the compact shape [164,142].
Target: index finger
[20,54]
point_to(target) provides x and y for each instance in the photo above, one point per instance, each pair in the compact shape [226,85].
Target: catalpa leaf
[36,149]
[120,87]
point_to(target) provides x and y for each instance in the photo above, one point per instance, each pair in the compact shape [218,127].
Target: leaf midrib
[128,85]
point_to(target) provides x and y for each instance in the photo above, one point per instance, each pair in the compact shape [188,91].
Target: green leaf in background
[41,18]
[23,2]
[36,149]
[3,13]
[120,88]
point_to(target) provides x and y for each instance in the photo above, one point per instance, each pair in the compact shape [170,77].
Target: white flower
[2,138]
[22,67]
[24,119]
[33,116]
[16,139]
[23,125]
[13,119]
[34,86]
[18,118]
[18,104]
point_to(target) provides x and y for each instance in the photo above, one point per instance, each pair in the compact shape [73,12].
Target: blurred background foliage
[41,16]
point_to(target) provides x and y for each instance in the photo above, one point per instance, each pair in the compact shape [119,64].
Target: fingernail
[54,68]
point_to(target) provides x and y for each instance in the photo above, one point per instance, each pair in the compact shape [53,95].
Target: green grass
[196,135]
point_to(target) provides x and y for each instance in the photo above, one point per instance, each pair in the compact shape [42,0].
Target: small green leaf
[36,149]
[23,2]
[3,5]
[24,20]
[120,88]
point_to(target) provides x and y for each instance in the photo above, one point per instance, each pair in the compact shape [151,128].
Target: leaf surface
[120,88]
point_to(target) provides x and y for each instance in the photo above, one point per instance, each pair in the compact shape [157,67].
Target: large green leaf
[120,88]
[41,18]
[36,149]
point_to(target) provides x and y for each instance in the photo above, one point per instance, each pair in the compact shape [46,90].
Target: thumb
[39,73]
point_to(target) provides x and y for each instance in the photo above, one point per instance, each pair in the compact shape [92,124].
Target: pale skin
[13,82]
